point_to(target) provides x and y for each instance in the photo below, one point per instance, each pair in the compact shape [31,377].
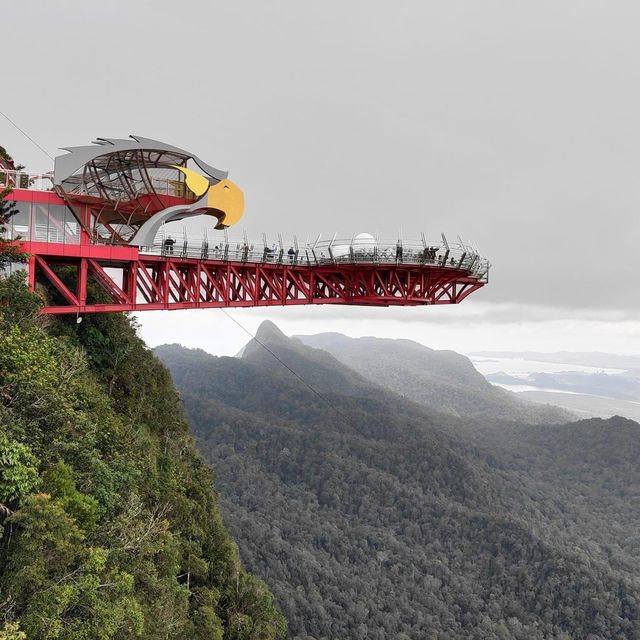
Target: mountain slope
[316,367]
[109,522]
[442,380]
[371,517]
[595,461]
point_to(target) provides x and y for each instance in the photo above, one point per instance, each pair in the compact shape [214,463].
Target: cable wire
[26,135]
[286,366]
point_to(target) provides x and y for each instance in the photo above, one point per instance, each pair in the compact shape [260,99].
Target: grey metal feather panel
[68,164]
[146,234]
[207,168]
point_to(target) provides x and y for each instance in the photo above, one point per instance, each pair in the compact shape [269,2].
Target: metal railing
[24,180]
[135,188]
[359,249]
[167,187]
[460,255]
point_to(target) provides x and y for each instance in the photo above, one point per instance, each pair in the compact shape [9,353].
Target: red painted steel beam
[138,282]
[154,282]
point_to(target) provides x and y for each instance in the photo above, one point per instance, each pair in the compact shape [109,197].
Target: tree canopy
[374,517]
[109,521]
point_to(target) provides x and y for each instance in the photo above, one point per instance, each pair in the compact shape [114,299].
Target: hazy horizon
[233,335]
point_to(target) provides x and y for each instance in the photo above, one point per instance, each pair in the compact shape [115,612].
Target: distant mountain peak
[270,332]
[272,349]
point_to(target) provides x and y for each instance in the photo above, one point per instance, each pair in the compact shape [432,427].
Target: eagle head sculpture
[120,178]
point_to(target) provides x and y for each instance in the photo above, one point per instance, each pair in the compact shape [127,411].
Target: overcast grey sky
[513,124]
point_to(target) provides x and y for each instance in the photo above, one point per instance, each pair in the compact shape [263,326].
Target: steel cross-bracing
[137,282]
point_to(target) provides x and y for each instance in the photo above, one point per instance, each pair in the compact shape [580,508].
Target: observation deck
[73,244]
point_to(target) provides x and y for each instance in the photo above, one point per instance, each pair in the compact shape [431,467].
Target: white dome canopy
[364,240]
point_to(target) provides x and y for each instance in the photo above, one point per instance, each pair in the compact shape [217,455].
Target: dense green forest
[372,517]
[109,521]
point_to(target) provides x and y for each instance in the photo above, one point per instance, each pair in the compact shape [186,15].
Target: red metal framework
[135,281]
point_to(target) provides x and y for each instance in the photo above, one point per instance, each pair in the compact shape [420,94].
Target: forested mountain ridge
[373,517]
[594,462]
[442,380]
[109,521]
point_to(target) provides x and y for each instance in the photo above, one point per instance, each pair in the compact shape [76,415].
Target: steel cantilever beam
[137,282]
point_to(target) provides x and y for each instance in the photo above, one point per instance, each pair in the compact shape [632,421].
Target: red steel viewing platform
[120,244]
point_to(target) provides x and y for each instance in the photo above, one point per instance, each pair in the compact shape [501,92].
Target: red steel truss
[137,282]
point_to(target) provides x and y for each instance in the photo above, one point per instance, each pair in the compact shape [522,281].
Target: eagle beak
[227,200]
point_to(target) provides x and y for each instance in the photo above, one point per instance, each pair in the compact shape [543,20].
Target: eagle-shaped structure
[132,186]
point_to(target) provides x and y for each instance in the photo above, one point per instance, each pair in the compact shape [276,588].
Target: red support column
[82,282]
[31,262]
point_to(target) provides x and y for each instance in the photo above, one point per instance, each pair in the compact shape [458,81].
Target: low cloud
[461,328]
[484,313]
